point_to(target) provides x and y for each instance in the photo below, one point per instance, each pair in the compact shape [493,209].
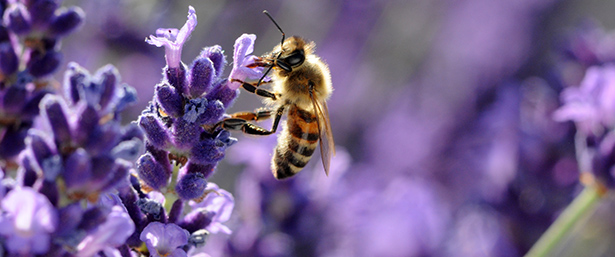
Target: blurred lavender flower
[81,140]
[109,235]
[281,218]
[589,44]
[30,34]
[217,206]
[164,239]
[27,221]
[76,151]
[592,107]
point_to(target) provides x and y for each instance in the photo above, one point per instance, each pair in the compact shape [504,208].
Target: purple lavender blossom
[109,235]
[217,206]
[27,221]
[244,46]
[183,147]
[164,239]
[173,39]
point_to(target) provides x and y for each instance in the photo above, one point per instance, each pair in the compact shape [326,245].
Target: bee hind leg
[256,115]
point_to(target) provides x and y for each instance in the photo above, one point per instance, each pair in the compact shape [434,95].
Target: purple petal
[132,131]
[8,58]
[103,170]
[27,221]
[14,99]
[174,213]
[26,176]
[216,55]
[119,176]
[108,77]
[176,77]
[17,18]
[197,219]
[41,65]
[128,150]
[103,138]
[186,134]
[66,21]
[244,45]
[42,11]
[201,111]
[4,34]
[164,239]
[173,39]
[224,94]
[75,79]
[169,100]
[208,150]
[94,217]
[55,111]
[69,218]
[219,202]
[87,123]
[151,172]
[191,186]
[201,76]
[31,108]
[154,131]
[112,233]
[127,95]
[161,156]
[40,146]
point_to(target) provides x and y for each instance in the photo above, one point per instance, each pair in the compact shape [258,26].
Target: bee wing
[327,145]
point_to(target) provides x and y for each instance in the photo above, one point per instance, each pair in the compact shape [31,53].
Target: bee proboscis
[301,86]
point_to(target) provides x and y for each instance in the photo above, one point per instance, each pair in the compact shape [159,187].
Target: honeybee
[301,87]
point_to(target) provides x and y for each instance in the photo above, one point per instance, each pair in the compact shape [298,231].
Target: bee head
[291,54]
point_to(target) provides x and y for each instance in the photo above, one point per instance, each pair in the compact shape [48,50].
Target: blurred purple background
[442,116]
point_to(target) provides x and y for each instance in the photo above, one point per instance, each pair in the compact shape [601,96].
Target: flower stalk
[584,204]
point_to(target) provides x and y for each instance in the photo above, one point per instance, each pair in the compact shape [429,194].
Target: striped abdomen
[296,143]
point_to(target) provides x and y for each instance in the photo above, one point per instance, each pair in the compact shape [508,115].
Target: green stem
[581,205]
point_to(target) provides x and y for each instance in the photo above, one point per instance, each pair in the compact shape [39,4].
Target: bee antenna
[276,24]
[264,75]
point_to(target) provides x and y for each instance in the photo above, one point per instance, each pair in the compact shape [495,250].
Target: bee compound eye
[283,65]
[295,58]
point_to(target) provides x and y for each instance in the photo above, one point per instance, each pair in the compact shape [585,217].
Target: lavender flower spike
[244,46]
[174,39]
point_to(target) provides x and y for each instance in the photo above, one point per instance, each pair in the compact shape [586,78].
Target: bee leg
[256,115]
[255,90]
[239,121]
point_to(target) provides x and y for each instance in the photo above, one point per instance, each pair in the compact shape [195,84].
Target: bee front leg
[239,121]
[255,90]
